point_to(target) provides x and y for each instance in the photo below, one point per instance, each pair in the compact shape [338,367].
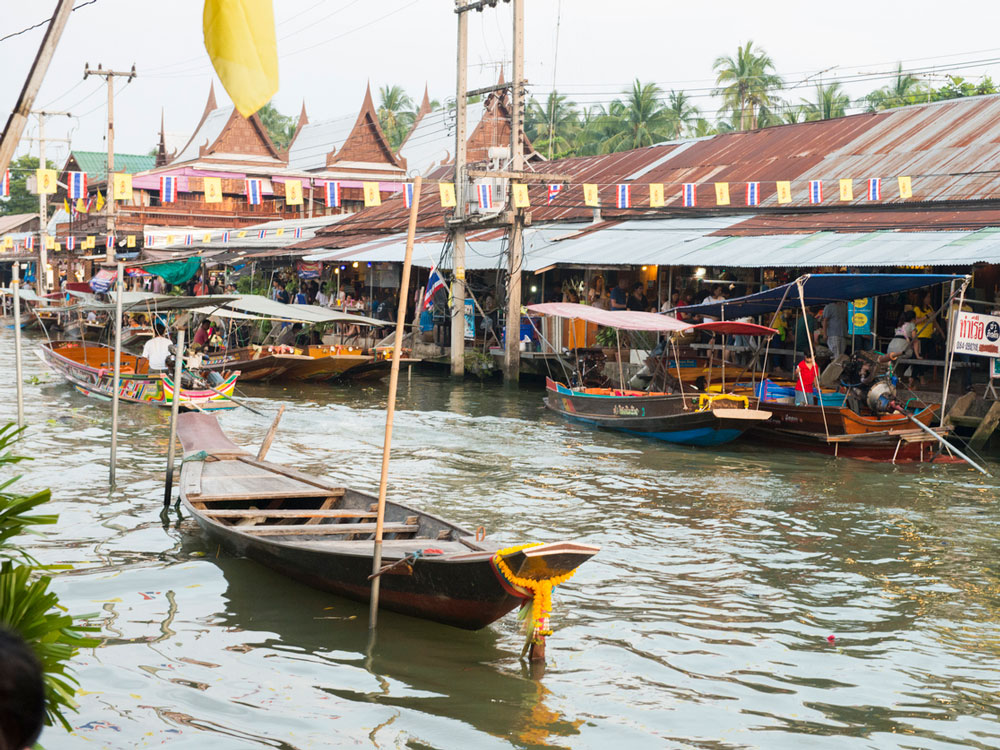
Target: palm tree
[639,120]
[745,83]
[279,127]
[551,125]
[702,128]
[396,114]
[905,89]
[682,112]
[831,101]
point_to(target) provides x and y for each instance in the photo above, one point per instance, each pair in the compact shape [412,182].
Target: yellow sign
[212,187]
[279,231]
[170,239]
[8,242]
[241,233]
[130,241]
[521,199]
[122,187]
[46,179]
[591,196]
[90,243]
[905,188]
[207,237]
[784,189]
[293,192]
[722,193]
[656,195]
[847,190]
[859,319]
[447,190]
[50,243]
[372,196]
[861,302]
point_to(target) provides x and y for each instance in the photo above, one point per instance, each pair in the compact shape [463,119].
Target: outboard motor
[881,397]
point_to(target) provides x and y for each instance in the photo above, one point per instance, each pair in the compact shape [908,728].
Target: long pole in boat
[15,284]
[174,408]
[119,286]
[390,408]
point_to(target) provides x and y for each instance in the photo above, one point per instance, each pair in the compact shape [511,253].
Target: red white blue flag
[71,243]
[225,236]
[689,192]
[77,185]
[298,233]
[875,189]
[408,194]
[484,192]
[149,240]
[815,191]
[435,282]
[624,193]
[333,194]
[554,191]
[29,243]
[188,239]
[753,193]
[5,184]
[254,192]
[261,234]
[109,242]
[168,189]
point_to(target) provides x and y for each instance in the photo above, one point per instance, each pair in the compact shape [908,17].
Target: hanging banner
[447,191]
[293,192]
[470,319]
[309,269]
[371,193]
[521,199]
[46,179]
[976,333]
[121,186]
[213,189]
[859,316]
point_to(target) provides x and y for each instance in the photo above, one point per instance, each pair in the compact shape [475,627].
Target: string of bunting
[89,242]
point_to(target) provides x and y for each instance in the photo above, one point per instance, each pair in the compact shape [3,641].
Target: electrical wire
[46,22]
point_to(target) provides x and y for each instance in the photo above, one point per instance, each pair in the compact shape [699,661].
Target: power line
[42,23]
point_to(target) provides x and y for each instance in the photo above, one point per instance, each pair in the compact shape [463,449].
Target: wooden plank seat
[331,528]
[254,513]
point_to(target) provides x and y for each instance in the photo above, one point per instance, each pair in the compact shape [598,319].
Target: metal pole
[947,348]
[43,255]
[174,408]
[119,286]
[15,283]
[512,352]
[458,234]
[390,408]
[110,225]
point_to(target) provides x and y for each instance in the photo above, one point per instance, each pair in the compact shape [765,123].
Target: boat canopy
[818,290]
[262,307]
[634,320]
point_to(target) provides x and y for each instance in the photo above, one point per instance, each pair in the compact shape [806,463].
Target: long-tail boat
[685,417]
[90,369]
[321,533]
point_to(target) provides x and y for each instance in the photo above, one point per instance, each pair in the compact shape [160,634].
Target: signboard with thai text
[859,316]
[977,334]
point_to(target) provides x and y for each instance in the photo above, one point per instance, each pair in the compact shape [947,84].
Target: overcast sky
[330,49]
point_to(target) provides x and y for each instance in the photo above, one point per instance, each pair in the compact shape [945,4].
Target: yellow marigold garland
[541,606]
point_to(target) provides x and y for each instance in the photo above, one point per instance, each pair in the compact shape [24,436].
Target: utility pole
[512,352]
[458,232]
[109,77]
[42,281]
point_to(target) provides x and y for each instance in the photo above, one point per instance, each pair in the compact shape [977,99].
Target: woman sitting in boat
[806,374]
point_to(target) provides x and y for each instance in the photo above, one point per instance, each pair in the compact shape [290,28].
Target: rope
[800,283]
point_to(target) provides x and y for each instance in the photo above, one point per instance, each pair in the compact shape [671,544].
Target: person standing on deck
[805,381]
[835,327]
[619,295]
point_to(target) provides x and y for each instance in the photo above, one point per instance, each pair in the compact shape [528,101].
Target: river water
[703,623]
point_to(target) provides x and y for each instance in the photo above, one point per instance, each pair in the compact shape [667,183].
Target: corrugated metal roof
[11,222]
[206,135]
[317,139]
[95,163]
[431,143]
[846,220]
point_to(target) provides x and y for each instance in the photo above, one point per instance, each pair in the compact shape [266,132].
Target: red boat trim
[507,585]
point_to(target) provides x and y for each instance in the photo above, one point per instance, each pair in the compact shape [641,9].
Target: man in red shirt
[806,374]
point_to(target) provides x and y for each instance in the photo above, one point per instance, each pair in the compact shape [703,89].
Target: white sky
[329,50]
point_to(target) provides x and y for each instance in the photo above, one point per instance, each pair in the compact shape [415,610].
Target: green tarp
[176,271]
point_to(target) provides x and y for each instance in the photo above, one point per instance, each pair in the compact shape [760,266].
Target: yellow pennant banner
[722,193]
[46,179]
[372,195]
[207,237]
[81,206]
[784,191]
[656,195]
[50,243]
[279,231]
[130,241]
[591,196]
[90,243]
[905,188]
[447,191]
[520,192]
[293,193]
[241,233]
[847,190]
[212,186]
[121,189]
[8,242]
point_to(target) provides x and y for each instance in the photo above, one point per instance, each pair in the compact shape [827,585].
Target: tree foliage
[396,114]
[280,128]
[746,83]
[21,201]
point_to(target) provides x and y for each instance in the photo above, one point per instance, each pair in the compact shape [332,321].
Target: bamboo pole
[269,437]
[15,283]
[174,408]
[390,408]
[116,384]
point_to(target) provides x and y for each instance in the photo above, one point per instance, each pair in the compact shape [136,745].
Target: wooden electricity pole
[458,231]
[109,77]
[512,351]
[42,280]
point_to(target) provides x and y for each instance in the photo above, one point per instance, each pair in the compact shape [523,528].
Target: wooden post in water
[15,288]
[174,408]
[269,437]
[119,286]
[390,408]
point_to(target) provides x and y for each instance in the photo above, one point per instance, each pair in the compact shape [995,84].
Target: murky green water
[703,623]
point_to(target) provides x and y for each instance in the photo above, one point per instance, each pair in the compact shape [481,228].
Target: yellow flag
[722,194]
[213,189]
[50,243]
[293,193]
[447,190]
[100,200]
[241,233]
[58,247]
[122,187]
[170,239]
[130,241]
[521,199]
[279,231]
[207,237]
[90,243]
[847,190]
[905,188]
[81,206]
[8,242]
[239,39]
[656,195]
[372,196]
[65,205]
[46,179]
[784,189]
[591,197]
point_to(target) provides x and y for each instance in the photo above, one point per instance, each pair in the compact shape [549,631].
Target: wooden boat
[320,534]
[314,363]
[90,369]
[686,420]
[254,363]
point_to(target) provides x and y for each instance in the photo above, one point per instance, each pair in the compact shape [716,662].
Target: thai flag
[29,243]
[408,194]
[188,239]
[149,240]
[254,188]
[168,189]
[554,191]
[109,242]
[5,184]
[815,191]
[77,185]
[485,193]
[753,193]
[624,196]
[298,233]
[261,234]
[875,189]
[434,282]
[690,193]
[333,194]
[225,236]
[71,243]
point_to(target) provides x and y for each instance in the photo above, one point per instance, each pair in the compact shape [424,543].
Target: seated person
[157,348]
